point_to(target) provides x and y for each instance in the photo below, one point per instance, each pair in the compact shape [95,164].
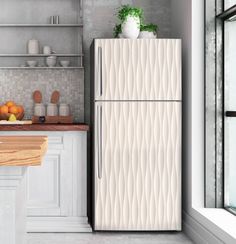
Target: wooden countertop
[45,127]
[22,150]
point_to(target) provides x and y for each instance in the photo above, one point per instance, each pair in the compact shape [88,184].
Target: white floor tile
[108,238]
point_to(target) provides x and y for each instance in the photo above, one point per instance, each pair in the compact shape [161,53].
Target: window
[228,17]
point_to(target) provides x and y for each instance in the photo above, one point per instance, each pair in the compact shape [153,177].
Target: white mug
[47,50]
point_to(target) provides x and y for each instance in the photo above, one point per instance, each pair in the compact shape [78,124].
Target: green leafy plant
[117,30]
[149,27]
[127,10]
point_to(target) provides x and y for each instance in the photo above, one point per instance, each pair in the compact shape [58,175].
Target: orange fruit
[13,109]
[20,109]
[10,104]
[3,109]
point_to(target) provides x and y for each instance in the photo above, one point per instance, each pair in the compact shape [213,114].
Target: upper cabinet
[142,69]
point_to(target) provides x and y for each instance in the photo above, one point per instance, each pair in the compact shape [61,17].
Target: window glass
[229,3]
[230,105]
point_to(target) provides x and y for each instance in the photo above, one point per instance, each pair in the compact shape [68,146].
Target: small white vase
[147,35]
[131,27]
[33,47]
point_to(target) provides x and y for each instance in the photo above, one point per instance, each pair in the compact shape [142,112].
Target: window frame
[215,188]
[226,15]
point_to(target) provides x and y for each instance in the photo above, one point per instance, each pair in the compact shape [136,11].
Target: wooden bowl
[6,116]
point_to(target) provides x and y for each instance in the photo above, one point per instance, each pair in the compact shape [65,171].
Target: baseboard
[197,232]
[58,224]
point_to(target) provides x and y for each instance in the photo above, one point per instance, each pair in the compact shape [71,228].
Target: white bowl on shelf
[32,63]
[64,63]
[51,61]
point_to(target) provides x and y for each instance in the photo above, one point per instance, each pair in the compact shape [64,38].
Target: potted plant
[117,32]
[130,18]
[148,31]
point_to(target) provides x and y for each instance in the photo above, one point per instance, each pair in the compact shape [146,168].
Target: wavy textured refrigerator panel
[138,166]
[143,69]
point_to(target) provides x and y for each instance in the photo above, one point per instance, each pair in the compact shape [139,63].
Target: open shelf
[41,55]
[21,22]
[41,25]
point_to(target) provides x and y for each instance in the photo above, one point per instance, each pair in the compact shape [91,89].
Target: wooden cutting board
[17,122]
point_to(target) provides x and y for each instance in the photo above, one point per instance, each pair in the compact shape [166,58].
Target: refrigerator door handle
[100,70]
[99,128]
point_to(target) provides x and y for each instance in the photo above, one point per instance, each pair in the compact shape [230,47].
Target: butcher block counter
[22,150]
[45,127]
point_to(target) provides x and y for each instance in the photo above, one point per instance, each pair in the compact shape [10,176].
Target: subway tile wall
[19,85]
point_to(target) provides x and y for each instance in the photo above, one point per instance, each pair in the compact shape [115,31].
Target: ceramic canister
[39,109]
[52,109]
[33,47]
[64,109]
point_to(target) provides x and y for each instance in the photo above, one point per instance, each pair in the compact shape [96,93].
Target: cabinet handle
[99,142]
[100,70]
[230,113]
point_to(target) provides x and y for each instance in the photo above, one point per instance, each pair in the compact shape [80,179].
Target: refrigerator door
[142,69]
[137,166]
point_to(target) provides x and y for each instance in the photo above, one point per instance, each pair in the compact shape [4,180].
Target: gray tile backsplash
[18,85]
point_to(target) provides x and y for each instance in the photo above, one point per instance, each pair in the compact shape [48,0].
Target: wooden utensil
[55,97]
[37,96]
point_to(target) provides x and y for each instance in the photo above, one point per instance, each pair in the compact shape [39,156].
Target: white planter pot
[121,36]
[131,27]
[147,35]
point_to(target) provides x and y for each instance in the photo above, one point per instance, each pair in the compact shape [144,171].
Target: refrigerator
[136,114]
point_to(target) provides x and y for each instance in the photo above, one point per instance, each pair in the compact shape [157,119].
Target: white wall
[204,226]
[188,24]
[181,28]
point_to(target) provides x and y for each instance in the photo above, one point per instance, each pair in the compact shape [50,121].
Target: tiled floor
[109,238]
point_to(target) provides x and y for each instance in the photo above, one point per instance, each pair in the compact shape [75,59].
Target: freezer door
[142,69]
[137,166]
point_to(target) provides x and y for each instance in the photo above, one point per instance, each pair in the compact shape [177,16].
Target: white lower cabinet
[57,190]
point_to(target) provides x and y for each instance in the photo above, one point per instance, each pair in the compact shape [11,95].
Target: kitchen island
[59,202]
[17,153]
